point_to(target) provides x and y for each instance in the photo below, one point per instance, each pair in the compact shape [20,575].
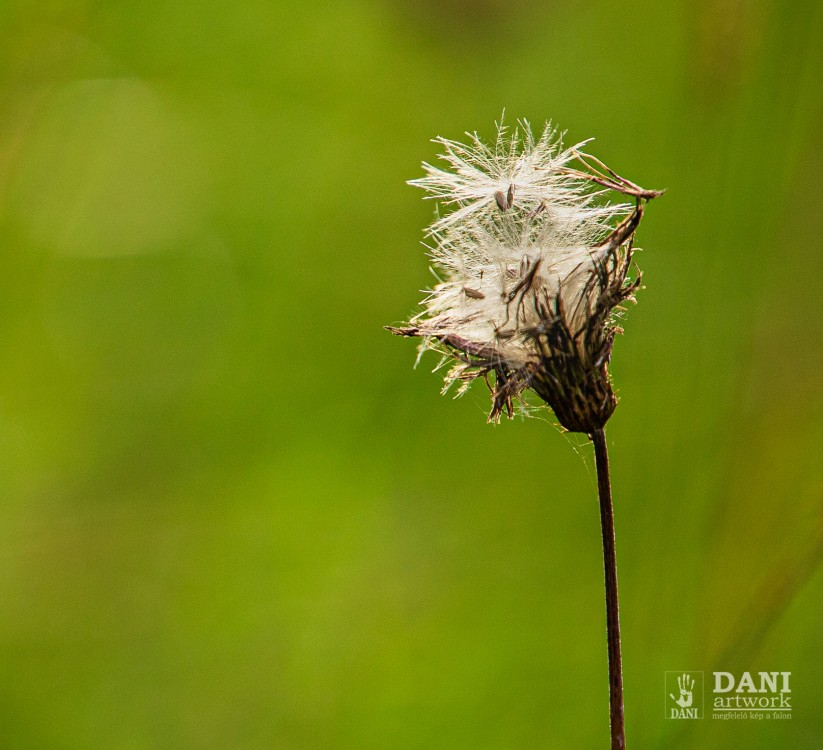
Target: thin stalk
[612,610]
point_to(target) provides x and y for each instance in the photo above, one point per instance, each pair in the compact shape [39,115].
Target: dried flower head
[535,265]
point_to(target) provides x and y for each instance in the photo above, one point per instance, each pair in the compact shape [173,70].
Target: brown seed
[473,293]
[502,203]
[539,210]
[510,196]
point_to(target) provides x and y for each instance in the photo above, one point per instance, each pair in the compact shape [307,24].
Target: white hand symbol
[686,685]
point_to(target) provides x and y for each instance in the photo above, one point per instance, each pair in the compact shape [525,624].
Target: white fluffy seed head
[514,210]
[478,172]
[532,261]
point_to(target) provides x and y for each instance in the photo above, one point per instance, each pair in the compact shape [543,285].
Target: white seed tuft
[531,261]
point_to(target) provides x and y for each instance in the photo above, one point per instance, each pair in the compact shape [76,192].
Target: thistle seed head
[535,264]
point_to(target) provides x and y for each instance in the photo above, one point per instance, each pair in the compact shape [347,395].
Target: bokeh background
[232,514]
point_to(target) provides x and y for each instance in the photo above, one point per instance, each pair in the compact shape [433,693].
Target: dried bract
[535,265]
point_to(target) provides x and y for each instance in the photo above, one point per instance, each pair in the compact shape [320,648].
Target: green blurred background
[233,515]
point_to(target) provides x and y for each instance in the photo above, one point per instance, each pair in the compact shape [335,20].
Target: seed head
[535,264]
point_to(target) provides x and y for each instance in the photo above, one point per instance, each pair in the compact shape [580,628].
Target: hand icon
[686,685]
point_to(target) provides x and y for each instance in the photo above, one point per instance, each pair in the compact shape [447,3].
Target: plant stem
[612,610]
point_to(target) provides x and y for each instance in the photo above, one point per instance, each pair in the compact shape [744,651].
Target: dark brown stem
[612,610]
